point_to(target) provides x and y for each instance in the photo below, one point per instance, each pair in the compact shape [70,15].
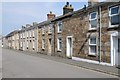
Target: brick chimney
[92,2]
[50,16]
[67,8]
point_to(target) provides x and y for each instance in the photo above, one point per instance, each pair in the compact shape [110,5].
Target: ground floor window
[92,45]
[43,43]
[59,45]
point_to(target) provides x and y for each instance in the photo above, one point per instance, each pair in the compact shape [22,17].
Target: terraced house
[90,34]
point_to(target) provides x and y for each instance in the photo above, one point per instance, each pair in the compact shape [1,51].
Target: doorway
[115,49]
[49,46]
[69,46]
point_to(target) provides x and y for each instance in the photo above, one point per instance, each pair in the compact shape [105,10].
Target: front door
[69,47]
[115,50]
[49,46]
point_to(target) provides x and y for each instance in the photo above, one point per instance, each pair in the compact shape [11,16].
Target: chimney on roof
[92,2]
[67,8]
[34,23]
[50,16]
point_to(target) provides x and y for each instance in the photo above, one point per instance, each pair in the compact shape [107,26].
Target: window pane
[92,40]
[93,15]
[93,23]
[60,26]
[115,10]
[92,49]
[115,20]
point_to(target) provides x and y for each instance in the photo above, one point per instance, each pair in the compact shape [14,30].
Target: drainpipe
[99,32]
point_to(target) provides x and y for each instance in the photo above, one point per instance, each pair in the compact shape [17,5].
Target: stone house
[12,40]
[46,36]
[90,34]
[28,37]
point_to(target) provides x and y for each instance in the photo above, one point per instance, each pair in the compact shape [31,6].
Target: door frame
[113,37]
[69,55]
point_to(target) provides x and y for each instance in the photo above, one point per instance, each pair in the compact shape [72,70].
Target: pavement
[90,66]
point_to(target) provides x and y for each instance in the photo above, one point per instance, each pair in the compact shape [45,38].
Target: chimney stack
[92,2]
[67,8]
[50,16]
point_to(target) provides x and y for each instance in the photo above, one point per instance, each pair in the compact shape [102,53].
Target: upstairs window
[50,28]
[114,14]
[43,30]
[59,27]
[30,33]
[33,33]
[92,45]
[93,20]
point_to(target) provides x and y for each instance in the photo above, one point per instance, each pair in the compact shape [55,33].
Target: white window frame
[60,22]
[110,8]
[30,33]
[43,30]
[43,43]
[27,33]
[50,28]
[33,33]
[96,18]
[58,45]
[92,45]
[23,35]
[33,44]
[21,44]
[27,43]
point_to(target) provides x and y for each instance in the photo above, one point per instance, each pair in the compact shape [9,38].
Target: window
[59,27]
[33,33]
[21,35]
[50,28]
[92,45]
[21,44]
[43,43]
[27,43]
[114,16]
[59,44]
[27,33]
[30,33]
[93,20]
[43,30]
[33,44]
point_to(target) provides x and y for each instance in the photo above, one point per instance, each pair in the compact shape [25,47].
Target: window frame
[60,22]
[50,28]
[43,30]
[43,43]
[111,15]
[58,44]
[91,45]
[96,18]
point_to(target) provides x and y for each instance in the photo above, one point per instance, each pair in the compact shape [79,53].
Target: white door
[115,50]
[69,47]
[119,52]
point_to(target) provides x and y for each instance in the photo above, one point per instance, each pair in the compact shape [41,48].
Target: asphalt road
[19,65]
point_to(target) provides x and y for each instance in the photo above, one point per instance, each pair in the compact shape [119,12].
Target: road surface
[18,65]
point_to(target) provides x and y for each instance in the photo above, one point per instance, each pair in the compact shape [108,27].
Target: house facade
[91,34]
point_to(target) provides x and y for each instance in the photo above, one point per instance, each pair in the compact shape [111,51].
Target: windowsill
[60,32]
[59,50]
[49,32]
[92,55]
[113,26]
[43,48]
[91,30]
